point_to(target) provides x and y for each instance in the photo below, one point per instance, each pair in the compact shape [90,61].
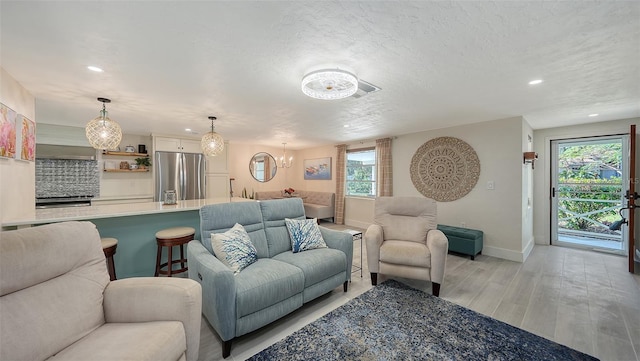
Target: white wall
[240,155]
[135,186]
[297,174]
[542,173]
[17,178]
[527,191]
[497,212]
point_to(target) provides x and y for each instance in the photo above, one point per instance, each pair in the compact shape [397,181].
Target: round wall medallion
[445,169]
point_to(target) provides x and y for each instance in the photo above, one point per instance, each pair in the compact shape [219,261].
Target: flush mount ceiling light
[329,84]
[102,132]
[535,82]
[212,143]
[95,68]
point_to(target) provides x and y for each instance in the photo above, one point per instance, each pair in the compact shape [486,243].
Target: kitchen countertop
[52,215]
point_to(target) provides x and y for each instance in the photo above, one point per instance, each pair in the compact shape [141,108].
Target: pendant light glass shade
[212,143]
[102,132]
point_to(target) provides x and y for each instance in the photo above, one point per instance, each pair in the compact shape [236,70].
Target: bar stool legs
[109,246]
[171,237]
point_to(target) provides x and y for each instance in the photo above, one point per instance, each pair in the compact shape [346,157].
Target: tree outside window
[361,172]
[590,186]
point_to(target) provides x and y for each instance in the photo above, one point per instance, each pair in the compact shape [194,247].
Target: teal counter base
[137,249]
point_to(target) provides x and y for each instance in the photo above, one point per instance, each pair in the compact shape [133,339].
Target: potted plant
[143,163]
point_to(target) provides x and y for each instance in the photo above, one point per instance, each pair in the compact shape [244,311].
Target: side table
[357,236]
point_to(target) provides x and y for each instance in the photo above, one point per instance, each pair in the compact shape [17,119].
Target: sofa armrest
[438,245]
[145,299]
[373,238]
[341,241]
[218,289]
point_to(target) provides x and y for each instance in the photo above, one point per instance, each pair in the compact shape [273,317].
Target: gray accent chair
[279,282]
[404,241]
[57,302]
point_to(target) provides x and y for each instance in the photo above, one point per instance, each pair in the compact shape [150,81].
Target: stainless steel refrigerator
[182,172]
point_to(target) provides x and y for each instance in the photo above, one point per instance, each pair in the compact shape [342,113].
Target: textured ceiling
[169,65]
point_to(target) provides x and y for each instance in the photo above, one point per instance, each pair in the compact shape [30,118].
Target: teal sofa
[279,282]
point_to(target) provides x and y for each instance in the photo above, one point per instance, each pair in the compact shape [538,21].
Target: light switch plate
[491,186]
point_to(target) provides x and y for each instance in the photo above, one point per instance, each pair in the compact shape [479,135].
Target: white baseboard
[357,224]
[528,248]
[503,253]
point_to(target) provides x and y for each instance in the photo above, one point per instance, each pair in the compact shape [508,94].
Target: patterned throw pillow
[234,248]
[305,234]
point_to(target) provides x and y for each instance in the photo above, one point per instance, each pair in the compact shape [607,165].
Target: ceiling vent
[365,88]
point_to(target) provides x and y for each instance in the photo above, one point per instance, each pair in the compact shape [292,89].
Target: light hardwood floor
[585,300]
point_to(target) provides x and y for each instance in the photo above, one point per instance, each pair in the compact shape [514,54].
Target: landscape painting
[317,169]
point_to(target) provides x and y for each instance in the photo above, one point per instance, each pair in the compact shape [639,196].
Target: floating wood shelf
[126,170]
[126,154]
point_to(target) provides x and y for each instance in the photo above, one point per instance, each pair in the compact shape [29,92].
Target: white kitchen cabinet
[218,186]
[166,144]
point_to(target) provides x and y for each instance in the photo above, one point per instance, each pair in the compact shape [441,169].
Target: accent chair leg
[345,285]
[374,279]
[435,289]
[226,348]
[473,258]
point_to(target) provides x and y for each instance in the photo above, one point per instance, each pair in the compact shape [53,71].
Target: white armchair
[404,241]
[56,302]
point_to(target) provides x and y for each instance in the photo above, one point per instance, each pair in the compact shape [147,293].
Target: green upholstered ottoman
[463,240]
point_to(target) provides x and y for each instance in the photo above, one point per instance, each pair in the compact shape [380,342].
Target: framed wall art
[26,139]
[317,169]
[7,132]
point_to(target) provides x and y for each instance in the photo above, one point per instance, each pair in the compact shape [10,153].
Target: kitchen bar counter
[134,225]
[53,215]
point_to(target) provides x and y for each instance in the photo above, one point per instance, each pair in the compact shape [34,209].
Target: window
[258,170]
[361,172]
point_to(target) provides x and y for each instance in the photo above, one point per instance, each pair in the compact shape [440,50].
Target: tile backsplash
[67,177]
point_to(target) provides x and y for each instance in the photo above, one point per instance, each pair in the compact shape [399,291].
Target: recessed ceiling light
[346,125]
[594,115]
[95,68]
[535,82]
[187,129]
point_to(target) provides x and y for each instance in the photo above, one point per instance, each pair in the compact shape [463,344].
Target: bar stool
[170,237]
[109,246]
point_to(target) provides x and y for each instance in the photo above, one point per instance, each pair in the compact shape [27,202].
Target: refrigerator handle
[182,175]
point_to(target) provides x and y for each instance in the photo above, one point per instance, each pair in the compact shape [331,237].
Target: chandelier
[284,163]
[212,143]
[329,84]
[102,132]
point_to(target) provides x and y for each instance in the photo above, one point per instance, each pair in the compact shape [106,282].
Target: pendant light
[102,132]
[212,143]
[284,163]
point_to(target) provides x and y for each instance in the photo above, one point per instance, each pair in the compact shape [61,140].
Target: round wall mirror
[263,167]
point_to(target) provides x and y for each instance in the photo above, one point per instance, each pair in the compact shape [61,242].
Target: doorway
[587,192]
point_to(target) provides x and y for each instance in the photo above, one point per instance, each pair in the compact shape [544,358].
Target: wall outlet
[463,224]
[491,186]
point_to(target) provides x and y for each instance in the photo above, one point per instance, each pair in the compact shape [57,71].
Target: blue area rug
[396,322]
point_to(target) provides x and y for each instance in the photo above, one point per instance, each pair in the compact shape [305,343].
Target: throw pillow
[305,234]
[234,248]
